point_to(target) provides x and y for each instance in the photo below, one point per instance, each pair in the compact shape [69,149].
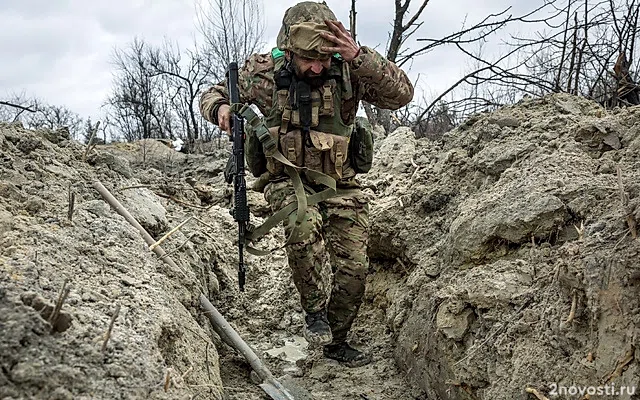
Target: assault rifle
[235,171]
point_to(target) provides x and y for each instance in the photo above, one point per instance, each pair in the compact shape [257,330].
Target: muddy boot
[317,331]
[347,355]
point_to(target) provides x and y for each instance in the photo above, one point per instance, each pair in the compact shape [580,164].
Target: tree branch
[18,106]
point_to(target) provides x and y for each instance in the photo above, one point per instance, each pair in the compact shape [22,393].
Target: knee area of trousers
[356,265]
[350,289]
[306,231]
[351,275]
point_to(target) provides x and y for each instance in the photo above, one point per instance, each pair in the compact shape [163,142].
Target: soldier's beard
[314,80]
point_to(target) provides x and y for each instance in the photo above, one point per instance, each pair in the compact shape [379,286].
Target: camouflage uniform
[340,224]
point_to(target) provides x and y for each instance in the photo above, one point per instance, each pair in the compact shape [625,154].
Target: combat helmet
[301,27]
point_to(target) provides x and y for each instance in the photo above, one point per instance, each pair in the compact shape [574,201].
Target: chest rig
[307,122]
[303,136]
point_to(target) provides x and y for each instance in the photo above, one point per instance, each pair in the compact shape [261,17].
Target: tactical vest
[330,152]
[325,148]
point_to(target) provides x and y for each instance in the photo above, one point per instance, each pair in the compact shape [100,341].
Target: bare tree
[55,117]
[36,114]
[139,106]
[405,24]
[580,47]
[232,30]
[14,106]
[183,81]
[155,89]
[403,30]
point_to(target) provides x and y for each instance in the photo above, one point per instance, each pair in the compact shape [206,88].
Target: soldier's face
[311,70]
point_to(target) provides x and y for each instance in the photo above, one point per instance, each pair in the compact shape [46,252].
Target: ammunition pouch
[321,152]
[361,145]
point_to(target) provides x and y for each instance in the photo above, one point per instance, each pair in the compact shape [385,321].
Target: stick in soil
[64,292]
[91,145]
[179,382]
[206,360]
[167,380]
[174,251]
[572,313]
[72,201]
[107,335]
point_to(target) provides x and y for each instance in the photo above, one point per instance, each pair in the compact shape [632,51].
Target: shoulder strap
[303,201]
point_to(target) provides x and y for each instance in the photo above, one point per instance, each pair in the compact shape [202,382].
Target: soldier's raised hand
[344,43]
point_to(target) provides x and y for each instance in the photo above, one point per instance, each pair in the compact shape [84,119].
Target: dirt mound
[502,259]
[160,345]
[105,266]
[518,267]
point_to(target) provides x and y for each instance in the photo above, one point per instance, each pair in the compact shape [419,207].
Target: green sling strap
[270,147]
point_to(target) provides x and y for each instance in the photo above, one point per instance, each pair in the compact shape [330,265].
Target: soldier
[308,90]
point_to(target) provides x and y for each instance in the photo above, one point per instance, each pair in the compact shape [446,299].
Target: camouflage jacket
[373,78]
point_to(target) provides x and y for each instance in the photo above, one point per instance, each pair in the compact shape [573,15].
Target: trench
[274,330]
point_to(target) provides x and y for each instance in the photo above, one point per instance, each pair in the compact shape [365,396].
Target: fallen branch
[404,267]
[171,232]
[107,335]
[18,106]
[134,187]
[178,381]
[174,251]
[166,196]
[621,239]
[622,364]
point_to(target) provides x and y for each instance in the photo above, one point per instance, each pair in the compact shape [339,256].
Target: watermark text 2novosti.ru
[603,390]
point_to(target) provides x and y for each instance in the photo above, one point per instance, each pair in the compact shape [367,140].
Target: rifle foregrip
[241,208]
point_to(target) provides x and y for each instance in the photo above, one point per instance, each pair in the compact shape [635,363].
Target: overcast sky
[60,50]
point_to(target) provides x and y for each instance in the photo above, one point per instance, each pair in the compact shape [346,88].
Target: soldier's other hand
[344,43]
[224,118]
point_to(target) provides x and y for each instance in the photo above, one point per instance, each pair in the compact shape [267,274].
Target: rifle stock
[235,172]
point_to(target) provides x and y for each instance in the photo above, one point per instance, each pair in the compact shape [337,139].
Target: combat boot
[317,330]
[347,355]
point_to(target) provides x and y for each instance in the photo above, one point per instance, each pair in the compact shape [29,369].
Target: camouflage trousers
[337,228]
